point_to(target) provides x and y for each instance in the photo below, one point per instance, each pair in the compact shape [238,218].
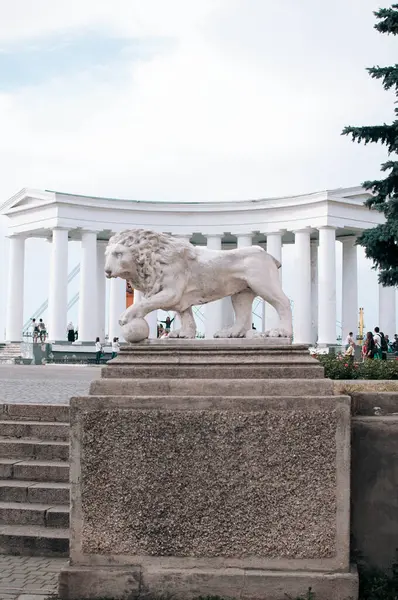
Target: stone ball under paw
[135,331]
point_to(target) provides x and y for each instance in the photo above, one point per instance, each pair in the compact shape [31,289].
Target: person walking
[35,330]
[369,347]
[377,341]
[42,330]
[70,332]
[98,351]
[349,340]
[115,347]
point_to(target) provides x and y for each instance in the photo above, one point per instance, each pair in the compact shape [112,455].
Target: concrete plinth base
[210,469]
[124,583]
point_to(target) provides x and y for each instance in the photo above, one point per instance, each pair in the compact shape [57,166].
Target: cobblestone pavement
[50,384]
[29,578]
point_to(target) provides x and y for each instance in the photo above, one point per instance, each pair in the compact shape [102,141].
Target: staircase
[9,352]
[34,480]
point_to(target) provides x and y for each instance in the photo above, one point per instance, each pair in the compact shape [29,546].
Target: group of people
[163,332]
[99,349]
[376,345]
[72,334]
[39,331]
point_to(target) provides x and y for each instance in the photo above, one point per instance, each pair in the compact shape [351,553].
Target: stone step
[215,370]
[210,387]
[34,449]
[24,513]
[364,403]
[232,346]
[259,403]
[35,412]
[34,540]
[39,430]
[218,359]
[53,493]
[34,470]
[206,354]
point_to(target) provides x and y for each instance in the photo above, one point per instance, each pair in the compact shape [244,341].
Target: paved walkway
[49,384]
[29,578]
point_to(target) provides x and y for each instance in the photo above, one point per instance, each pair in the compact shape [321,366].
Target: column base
[187,584]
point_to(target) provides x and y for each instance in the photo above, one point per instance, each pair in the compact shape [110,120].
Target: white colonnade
[15,288]
[58,288]
[314,293]
[302,306]
[349,318]
[214,310]
[274,247]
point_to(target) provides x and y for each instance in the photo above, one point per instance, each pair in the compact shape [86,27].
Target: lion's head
[141,257]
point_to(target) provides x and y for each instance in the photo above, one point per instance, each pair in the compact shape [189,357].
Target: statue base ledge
[219,342]
[186,584]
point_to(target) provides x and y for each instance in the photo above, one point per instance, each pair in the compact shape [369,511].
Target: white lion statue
[172,274]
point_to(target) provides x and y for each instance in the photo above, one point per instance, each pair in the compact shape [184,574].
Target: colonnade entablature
[312,222]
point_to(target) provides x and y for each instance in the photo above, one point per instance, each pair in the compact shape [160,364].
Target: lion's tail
[278,264]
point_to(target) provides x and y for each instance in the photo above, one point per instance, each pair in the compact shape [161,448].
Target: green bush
[343,367]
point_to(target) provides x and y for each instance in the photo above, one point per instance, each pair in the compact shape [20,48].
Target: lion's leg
[242,303]
[164,299]
[188,325]
[271,291]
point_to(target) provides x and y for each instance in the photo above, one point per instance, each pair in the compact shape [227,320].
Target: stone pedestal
[210,468]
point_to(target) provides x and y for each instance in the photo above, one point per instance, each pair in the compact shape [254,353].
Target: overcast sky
[188,100]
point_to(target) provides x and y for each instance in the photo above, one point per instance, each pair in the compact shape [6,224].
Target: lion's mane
[152,253]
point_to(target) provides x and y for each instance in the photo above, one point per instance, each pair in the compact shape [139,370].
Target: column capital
[280,232]
[332,227]
[347,238]
[82,231]
[213,235]
[244,233]
[308,230]
[17,236]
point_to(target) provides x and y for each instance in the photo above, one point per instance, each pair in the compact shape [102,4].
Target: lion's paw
[181,333]
[282,333]
[253,334]
[230,332]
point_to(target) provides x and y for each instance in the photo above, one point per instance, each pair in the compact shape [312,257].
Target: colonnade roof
[36,213]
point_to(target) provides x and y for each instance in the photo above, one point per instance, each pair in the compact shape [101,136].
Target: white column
[274,247]
[117,306]
[213,310]
[327,286]
[350,313]
[58,292]
[101,288]
[387,311]
[314,291]
[244,240]
[15,289]
[302,299]
[152,320]
[88,298]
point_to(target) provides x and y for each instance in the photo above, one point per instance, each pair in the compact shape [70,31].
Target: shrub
[343,367]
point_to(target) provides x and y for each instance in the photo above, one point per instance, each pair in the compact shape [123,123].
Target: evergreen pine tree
[381,242]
